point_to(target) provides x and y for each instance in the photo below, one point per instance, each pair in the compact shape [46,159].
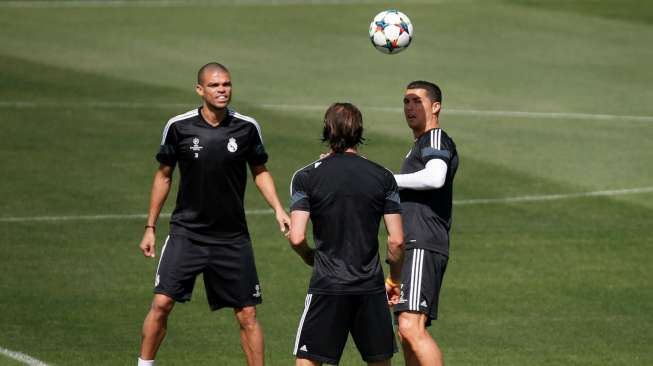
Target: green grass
[538,283]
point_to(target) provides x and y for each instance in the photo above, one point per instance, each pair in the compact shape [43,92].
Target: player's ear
[199,90]
[435,107]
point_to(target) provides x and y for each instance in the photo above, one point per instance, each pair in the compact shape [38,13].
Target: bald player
[212,145]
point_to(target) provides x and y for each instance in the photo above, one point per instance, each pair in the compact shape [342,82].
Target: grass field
[86,88]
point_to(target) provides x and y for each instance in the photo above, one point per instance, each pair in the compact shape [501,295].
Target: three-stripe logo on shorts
[163,250]
[416,279]
[307,304]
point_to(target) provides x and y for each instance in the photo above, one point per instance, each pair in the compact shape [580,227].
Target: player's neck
[213,116]
[429,125]
[351,150]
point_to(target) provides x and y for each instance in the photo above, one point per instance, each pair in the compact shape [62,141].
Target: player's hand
[393,293]
[148,243]
[284,222]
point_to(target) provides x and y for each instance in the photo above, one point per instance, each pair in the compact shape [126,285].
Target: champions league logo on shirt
[232,146]
[196,147]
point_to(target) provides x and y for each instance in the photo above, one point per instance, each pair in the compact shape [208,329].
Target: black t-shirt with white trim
[347,196]
[426,214]
[213,174]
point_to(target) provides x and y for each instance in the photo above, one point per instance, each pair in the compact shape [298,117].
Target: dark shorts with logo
[421,280]
[229,272]
[327,321]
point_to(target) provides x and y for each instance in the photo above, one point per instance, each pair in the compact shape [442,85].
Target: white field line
[203,3]
[105,217]
[321,108]
[468,202]
[21,357]
[553,197]
[85,105]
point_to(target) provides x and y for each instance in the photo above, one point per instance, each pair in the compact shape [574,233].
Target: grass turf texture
[561,282]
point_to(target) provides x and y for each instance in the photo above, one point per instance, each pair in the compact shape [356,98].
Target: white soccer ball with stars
[391,31]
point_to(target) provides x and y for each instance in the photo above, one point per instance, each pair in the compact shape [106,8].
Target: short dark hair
[432,90]
[210,66]
[343,127]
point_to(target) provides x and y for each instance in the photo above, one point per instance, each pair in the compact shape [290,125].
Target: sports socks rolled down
[142,362]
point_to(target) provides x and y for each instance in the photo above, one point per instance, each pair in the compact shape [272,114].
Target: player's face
[418,108]
[215,88]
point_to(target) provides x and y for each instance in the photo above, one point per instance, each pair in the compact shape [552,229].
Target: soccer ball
[391,31]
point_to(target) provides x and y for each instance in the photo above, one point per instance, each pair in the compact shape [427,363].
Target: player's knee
[161,307]
[409,328]
[247,317]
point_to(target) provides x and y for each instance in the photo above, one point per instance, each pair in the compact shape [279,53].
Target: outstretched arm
[297,237]
[432,176]
[265,184]
[160,188]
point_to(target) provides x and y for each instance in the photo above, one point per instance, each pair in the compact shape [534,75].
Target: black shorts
[328,319]
[229,272]
[421,280]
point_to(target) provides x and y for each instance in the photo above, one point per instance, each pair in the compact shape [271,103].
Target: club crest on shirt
[232,146]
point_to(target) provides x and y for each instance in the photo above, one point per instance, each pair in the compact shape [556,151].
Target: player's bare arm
[265,184]
[297,237]
[395,230]
[160,188]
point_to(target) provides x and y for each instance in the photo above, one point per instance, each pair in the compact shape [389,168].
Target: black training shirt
[346,195]
[213,168]
[426,214]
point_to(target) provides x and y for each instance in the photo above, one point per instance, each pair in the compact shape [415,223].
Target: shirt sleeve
[168,150]
[392,201]
[256,155]
[435,147]
[299,192]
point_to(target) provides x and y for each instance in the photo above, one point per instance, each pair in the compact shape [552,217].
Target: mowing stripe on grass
[21,357]
[321,108]
[479,113]
[179,3]
[468,202]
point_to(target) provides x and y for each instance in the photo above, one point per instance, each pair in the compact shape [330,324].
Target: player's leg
[155,325]
[179,264]
[307,362]
[416,340]
[231,280]
[323,329]
[409,356]
[421,279]
[372,329]
[251,335]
